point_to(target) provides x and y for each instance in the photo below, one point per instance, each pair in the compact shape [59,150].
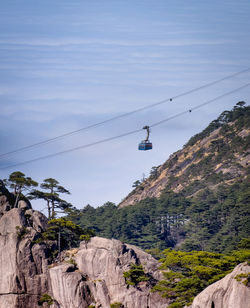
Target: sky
[65,65]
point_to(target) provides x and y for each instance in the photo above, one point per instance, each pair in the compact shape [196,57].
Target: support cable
[121,115]
[127,133]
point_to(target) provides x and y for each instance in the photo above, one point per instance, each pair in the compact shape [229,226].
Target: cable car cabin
[145,145]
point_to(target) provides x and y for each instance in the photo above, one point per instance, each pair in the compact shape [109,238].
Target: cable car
[145,145]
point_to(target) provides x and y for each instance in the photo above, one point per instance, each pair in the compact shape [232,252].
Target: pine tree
[19,183]
[52,196]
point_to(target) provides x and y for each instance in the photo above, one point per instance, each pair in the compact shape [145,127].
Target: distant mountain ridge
[220,154]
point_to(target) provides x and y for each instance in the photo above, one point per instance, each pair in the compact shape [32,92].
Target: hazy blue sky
[68,64]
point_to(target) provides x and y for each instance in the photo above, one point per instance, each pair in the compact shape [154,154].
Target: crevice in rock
[21,293]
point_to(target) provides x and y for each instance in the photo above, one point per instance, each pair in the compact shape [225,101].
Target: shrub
[116,305]
[135,275]
[243,278]
[21,232]
[45,298]
[72,261]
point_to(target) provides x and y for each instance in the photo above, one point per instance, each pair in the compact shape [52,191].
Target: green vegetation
[50,194]
[45,298]
[218,220]
[135,275]
[244,278]
[244,243]
[86,237]
[72,261]
[239,113]
[65,232]
[136,183]
[21,232]
[213,220]
[116,305]
[188,273]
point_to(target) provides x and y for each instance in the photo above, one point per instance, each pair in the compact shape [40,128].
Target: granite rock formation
[97,273]
[229,292]
[89,275]
[23,264]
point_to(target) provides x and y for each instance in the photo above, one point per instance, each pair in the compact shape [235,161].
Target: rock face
[89,275]
[225,293]
[23,264]
[98,275]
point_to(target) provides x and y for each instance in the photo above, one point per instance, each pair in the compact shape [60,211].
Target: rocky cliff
[230,292]
[89,275]
[23,264]
[219,154]
[97,277]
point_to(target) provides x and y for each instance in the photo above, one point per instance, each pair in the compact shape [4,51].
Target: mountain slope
[197,200]
[219,154]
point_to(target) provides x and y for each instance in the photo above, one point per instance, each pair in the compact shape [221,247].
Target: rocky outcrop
[6,199]
[97,275]
[228,292]
[89,275]
[23,264]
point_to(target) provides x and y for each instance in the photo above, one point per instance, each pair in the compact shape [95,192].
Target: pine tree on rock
[52,196]
[19,183]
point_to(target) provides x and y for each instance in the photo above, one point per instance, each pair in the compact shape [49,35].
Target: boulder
[226,293]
